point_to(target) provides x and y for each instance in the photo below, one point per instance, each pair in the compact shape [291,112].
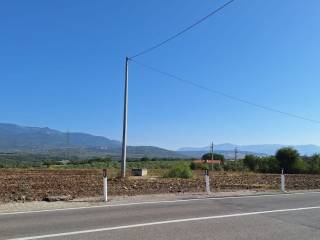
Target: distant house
[208,161]
[64,162]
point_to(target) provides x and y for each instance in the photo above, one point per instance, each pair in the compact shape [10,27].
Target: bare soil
[35,185]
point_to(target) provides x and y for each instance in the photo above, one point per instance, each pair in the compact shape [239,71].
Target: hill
[15,138]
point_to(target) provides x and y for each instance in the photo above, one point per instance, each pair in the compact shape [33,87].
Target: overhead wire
[223,94]
[183,31]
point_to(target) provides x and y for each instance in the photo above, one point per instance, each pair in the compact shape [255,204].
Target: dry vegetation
[37,184]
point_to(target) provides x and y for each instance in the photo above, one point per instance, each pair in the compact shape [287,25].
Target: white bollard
[283,189]
[105,186]
[207,180]
[207,184]
[105,189]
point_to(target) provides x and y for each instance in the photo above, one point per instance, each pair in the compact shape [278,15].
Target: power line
[184,30]
[270,109]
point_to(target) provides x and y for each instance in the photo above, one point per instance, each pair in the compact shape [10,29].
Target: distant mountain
[229,155]
[268,149]
[220,147]
[15,138]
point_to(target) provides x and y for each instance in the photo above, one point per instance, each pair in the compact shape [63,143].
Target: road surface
[283,216]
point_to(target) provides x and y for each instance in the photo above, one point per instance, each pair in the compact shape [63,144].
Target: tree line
[286,158]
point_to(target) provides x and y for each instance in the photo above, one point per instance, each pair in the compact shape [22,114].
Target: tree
[144,159]
[314,164]
[216,156]
[269,165]
[288,159]
[251,162]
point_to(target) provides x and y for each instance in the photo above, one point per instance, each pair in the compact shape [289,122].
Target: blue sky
[62,63]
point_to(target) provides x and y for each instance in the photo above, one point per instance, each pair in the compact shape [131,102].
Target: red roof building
[208,161]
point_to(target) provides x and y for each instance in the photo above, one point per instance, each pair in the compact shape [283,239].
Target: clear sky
[62,66]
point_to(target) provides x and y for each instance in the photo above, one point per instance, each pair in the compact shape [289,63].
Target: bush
[203,166]
[299,167]
[233,166]
[181,170]
[269,165]
[229,166]
[251,162]
[193,166]
[217,167]
[207,166]
[313,164]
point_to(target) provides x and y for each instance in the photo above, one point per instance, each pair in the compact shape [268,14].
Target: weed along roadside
[16,185]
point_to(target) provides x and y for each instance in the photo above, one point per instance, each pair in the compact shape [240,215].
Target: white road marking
[158,202]
[163,222]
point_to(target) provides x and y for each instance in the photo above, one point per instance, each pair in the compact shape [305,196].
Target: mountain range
[267,149]
[16,138]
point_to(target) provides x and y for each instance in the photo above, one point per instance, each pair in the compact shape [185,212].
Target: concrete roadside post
[105,185]
[283,189]
[206,177]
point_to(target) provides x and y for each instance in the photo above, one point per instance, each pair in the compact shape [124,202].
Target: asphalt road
[289,216]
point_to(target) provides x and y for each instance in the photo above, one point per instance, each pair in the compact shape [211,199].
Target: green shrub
[269,165]
[203,166]
[193,166]
[181,170]
[217,167]
[199,166]
[299,166]
[251,162]
[313,163]
[233,165]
